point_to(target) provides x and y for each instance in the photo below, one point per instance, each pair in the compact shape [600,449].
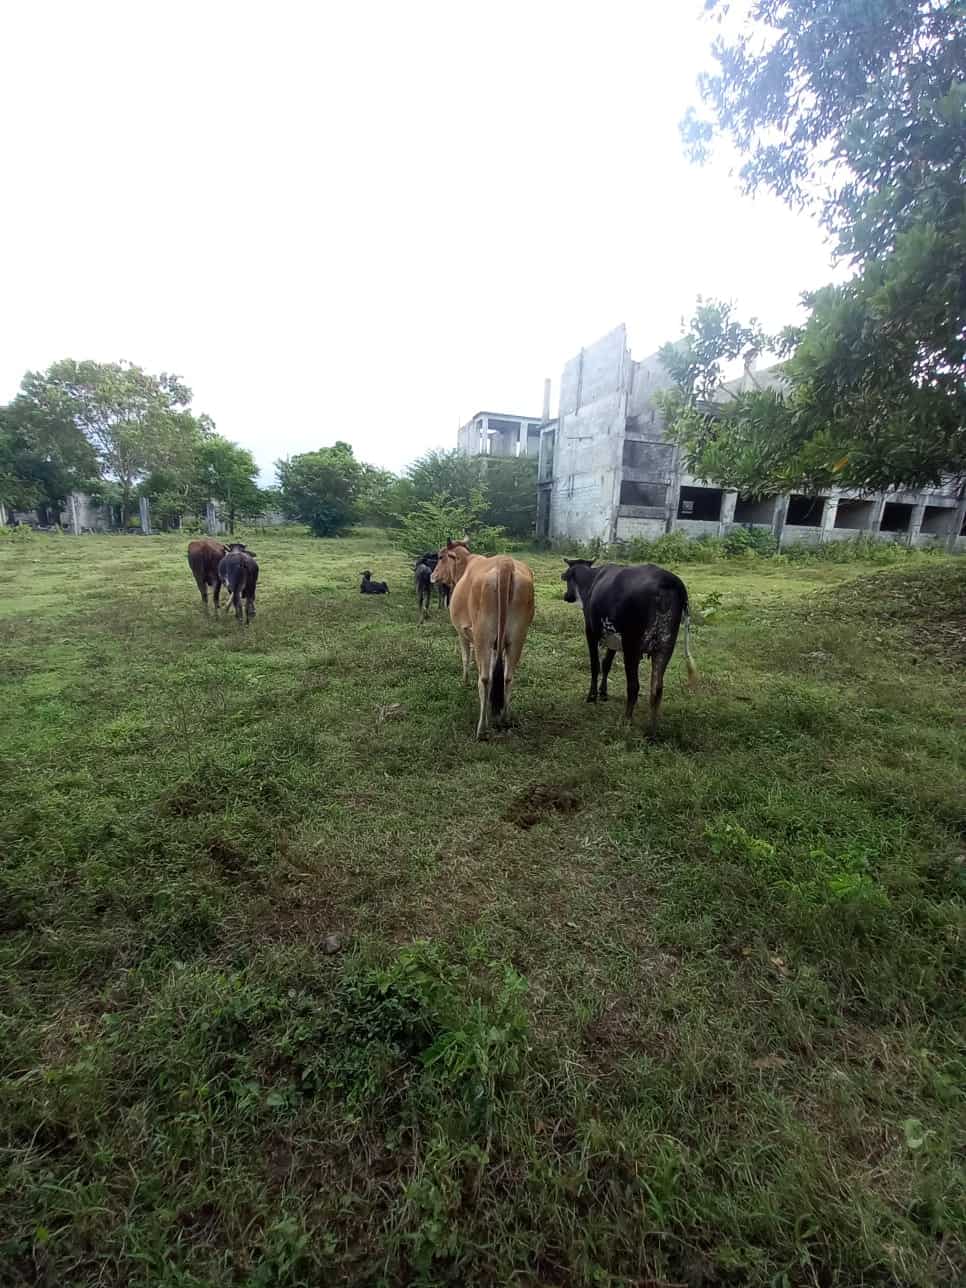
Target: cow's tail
[504,593]
[688,659]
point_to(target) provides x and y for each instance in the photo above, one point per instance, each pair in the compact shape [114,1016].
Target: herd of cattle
[636,610]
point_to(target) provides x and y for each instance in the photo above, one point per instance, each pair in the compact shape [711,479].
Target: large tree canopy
[134,422]
[860,106]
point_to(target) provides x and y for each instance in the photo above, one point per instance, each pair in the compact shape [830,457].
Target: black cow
[370,587]
[423,572]
[239,571]
[638,609]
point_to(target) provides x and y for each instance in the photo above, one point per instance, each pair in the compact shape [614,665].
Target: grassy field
[300,985]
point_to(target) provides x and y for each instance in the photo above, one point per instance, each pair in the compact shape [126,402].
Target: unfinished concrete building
[607,473]
[492,433]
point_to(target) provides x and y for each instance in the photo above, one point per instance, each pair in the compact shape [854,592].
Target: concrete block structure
[492,433]
[606,472]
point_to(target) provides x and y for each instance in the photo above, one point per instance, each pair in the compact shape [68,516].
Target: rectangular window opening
[703,503]
[854,515]
[895,517]
[651,494]
[805,511]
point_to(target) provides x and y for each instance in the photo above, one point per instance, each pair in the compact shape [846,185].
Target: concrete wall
[589,441]
[628,528]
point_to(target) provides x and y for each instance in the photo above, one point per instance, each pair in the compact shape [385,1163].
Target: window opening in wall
[937,520]
[895,517]
[855,515]
[650,494]
[805,511]
[755,509]
[704,503]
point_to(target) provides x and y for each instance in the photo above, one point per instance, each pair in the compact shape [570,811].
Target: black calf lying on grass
[370,587]
[239,571]
[637,609]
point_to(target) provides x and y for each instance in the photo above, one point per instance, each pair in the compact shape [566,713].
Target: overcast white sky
[366,220]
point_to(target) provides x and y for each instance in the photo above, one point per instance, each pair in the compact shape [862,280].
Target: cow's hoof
[603,697]
[591,697]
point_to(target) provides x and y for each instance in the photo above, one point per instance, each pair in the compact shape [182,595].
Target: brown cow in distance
[204,556]
[491,608]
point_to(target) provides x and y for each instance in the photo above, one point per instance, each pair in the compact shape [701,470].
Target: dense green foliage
[598,1011]
[860,107]
[322,488]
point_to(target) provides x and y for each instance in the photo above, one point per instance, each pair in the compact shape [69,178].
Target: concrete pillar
[211,519]
[522,439]
[875,520]
[673,493]
[959,518]
[915,522]
[778,518]
[829,512]
[727,517]
[3,514]
[144,506]
[74,516]
[546,400]
[485,437]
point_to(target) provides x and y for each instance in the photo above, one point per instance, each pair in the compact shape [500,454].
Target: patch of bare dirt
[542,801]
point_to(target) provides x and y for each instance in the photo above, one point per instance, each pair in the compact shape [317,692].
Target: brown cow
[491,608]
[204,556]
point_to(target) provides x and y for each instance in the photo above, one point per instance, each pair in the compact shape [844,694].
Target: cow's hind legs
[658,666]
[632,662]
[605,672]
[484,690]
[465,651]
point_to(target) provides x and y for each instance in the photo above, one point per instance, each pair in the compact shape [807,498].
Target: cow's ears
[449,543]
[569,562]
[589,562]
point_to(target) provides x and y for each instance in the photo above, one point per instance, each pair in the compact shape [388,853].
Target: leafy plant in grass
[431,524]
[815,876]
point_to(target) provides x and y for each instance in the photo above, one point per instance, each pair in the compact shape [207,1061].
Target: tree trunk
[231,520]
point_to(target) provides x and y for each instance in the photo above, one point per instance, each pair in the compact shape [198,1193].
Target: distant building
[606,472]
[491,433]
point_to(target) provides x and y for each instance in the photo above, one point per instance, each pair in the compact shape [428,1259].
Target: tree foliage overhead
[859,106]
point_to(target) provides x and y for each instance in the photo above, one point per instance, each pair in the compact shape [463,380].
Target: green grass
[601,1011]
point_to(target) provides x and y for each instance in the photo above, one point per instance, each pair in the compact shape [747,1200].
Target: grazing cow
[422,573]
[204,556]
[239,571]
[491,608]
[370,587]
[637,609]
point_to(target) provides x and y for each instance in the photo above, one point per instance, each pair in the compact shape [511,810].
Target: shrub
[431,524]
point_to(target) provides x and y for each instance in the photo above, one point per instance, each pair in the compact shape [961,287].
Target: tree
[227,473]
[714,337]
[510,494]
[447,474]
[321,488]
[859,108]
[43,458]
[135,422]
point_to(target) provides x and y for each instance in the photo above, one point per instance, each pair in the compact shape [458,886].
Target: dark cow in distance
[239,571]
[423,577]
[204,556]
[370,587]
[637,609]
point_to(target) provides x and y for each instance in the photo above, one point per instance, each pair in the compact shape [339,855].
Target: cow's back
[204,555]
[630,594]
